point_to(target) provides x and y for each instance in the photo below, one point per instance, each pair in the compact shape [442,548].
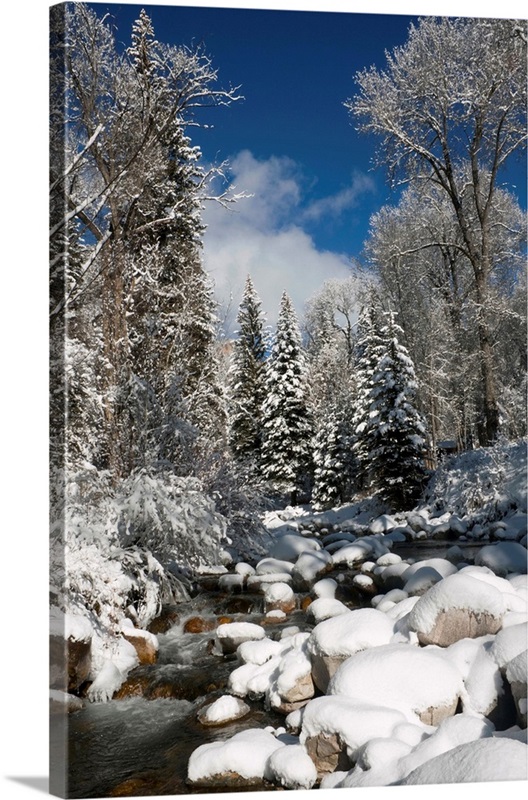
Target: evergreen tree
[287,429]
[368,354]
[332,463]
[246,379]
[390,436]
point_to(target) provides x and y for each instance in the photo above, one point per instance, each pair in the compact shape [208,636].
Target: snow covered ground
[398,669]
[428,685]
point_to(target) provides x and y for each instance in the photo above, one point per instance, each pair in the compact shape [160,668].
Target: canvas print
[288,400]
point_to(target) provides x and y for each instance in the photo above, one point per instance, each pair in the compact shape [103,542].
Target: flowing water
[141,745]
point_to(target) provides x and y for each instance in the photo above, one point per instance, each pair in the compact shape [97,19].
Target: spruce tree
[368,354]
[332,464]
[286,447]
[246,380]
[390,436]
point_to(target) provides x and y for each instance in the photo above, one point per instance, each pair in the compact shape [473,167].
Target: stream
[141,744]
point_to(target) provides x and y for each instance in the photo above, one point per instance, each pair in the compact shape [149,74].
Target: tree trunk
[489,428]
[115,350]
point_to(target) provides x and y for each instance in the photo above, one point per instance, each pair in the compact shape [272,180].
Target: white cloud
[262,236]
[346,198]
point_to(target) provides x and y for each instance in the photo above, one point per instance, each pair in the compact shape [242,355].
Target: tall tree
[246,379]
[450,109]
[390,438]
[287,428]
[132,183]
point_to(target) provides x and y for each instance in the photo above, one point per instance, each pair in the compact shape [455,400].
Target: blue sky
[290,142]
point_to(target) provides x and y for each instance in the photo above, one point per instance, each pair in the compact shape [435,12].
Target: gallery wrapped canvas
[288,423]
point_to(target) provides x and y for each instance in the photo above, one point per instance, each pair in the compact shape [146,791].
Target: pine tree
[332,464]
[368,353]
[286,446]
[246,379]
[390,437]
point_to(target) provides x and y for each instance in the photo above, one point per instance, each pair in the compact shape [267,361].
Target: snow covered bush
[485,484]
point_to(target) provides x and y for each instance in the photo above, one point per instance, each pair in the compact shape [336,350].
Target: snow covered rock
[230,635]
[61,702]
[245,756]
[258,651]
[333,728]
[257,583]
[326,587]
[489,759]
[457,607]
[365,585]
[508,643]
[325,608]
[272,566]
[292,685]
[503,557]
[145,643]
[309,567]
[516,674]
[289,546]
[231,582]
[362,549]
[279,597]
[70,650]
[334,640]
[482,679]
[417,681]
[113,672]
[382,524]
[223,711]
[292,767]
[421,581]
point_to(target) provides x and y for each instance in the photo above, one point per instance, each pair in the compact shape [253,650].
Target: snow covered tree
[329,326]
[131,181]
[390,435]
[287,428]
[332,461]
[455,95]
[246,379]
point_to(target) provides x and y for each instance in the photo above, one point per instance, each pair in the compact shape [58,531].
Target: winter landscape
[288,451]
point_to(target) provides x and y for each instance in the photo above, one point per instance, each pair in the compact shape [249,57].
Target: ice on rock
[418,682]
[291,767]
[246,754]
[489,759]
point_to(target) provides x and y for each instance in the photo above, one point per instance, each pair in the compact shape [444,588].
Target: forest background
[24,399]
